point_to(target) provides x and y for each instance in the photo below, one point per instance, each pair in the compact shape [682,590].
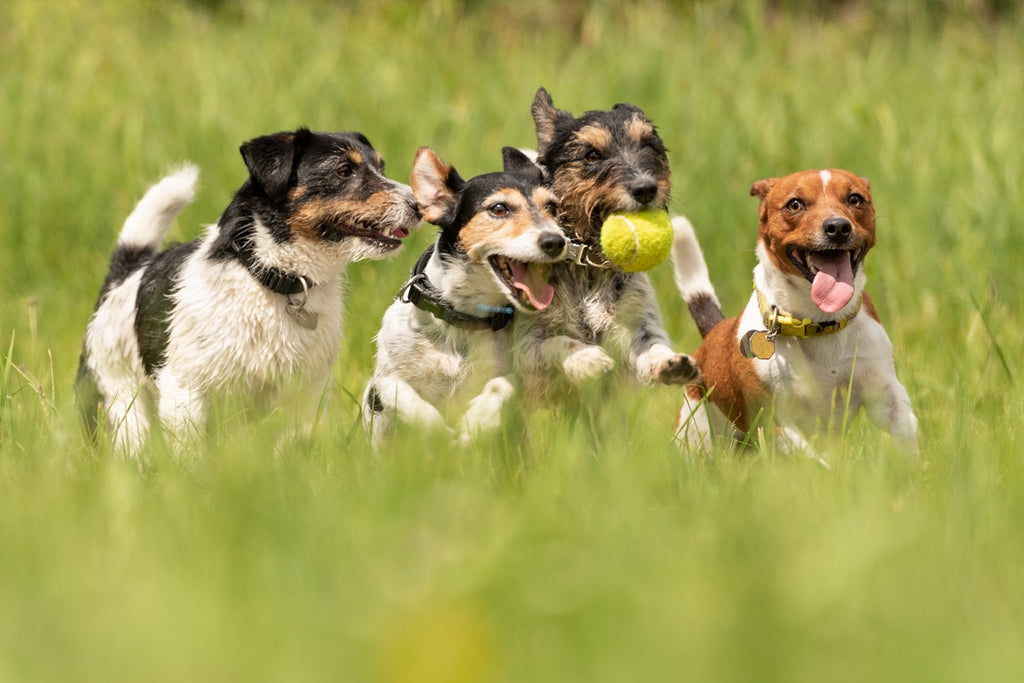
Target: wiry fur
[600,163]
[808,381]
[424,362]
[194,319]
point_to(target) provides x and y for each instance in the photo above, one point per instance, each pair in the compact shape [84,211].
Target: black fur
[519,174]
[154,304]
[123,262]
[323,165]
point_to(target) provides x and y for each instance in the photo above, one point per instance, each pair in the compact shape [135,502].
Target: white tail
[148,222]
[692,276]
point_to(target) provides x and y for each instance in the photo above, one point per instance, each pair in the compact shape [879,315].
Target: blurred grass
[590,550]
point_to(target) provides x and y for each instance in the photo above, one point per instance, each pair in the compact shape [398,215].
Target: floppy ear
[434,184]
[761,188]
[546,117]
[271,158]
[516,161]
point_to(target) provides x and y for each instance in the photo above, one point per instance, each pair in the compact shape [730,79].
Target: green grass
[591,549]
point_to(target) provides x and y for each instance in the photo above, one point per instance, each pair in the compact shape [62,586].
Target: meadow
[587,547]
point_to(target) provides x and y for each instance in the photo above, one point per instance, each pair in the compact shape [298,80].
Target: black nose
[551,243]
[837,228]
[644,192]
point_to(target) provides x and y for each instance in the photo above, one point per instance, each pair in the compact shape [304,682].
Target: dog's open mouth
[830,273]
[526,282]
[385,238]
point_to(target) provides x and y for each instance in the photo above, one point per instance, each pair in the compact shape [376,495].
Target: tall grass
[576,549]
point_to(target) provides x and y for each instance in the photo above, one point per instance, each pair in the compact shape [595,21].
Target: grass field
[591,550]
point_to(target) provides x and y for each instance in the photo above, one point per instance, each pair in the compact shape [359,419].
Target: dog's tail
[145,227]
[692,277]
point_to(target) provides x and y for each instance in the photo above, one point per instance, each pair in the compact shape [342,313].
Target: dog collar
[294,287]
[273,279]
[777,321]
[585,255]
[419,292]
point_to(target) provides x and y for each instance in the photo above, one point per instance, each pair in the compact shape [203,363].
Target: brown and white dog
[809,339]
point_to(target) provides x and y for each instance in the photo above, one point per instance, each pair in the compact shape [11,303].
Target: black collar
[273,279]
[420,293]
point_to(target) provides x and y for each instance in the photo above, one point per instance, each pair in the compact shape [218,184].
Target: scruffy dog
[809,341]
[447,331]
[600,163]
[255,301]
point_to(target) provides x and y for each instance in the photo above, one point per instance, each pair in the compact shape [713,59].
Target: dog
[448,329]
[600,163]
[255,301]
[809,342]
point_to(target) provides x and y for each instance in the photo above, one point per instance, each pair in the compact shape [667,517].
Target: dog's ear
[546,117]
[518,162]
[271,160]
[434,184]
[630,108]
[761,188]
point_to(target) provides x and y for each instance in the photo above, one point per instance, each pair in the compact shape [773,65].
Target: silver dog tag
[297,309]
[756,344]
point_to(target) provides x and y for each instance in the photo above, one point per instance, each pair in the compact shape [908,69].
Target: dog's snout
[644,191]
[551,243]
[837,228]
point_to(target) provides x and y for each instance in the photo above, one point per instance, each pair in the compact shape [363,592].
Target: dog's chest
[235,329]
[587,303]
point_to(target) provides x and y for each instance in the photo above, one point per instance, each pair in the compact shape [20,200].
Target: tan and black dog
[809,339]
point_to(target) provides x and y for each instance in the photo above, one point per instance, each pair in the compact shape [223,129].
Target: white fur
[424,364]
[815,380]
[226,332]
[153,214]
[691,270]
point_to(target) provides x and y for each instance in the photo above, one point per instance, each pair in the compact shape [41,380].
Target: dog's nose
[644,191]
[551,243]
[837,228]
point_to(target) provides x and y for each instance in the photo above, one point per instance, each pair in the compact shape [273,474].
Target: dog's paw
[485,410]
[678,369]
[586,363]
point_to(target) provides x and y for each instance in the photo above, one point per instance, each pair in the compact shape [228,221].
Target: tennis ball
[637,241]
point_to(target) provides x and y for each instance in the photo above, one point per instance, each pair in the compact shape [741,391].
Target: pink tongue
[533,281]
[833,284]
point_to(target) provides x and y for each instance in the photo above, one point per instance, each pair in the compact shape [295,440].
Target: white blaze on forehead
[826,178]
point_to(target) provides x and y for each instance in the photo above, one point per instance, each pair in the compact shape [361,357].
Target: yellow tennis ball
[637,241]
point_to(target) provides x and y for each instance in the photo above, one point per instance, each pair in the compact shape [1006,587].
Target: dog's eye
[856,200]
[346,170]
[498,210]
[551,208]
[593,155]
[794,205]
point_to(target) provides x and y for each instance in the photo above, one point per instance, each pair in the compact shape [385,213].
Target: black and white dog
[448,330]
[255,301]
[598,164]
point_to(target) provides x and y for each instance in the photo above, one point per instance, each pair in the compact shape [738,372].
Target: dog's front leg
[650,351]
[485,410]
[578,360]
[887,404]
[393,396]
[182,410]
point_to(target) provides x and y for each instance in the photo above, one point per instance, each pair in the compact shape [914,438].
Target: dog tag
[297,310]
[756,344]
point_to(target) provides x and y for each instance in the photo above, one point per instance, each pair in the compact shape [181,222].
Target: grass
[590,550]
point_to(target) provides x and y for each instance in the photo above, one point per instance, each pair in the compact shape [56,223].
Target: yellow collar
[777,321]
